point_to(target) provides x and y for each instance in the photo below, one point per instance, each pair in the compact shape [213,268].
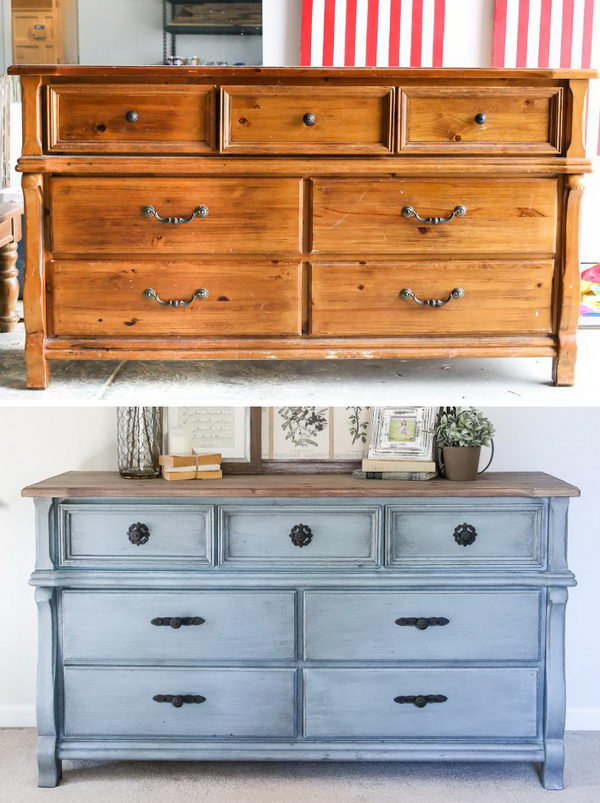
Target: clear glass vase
[139,441]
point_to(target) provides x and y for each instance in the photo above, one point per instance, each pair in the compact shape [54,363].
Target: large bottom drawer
[228,702]
[371,703]
[493,297]
[106,298]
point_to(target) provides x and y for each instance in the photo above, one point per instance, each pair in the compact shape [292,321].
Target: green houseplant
[460,433]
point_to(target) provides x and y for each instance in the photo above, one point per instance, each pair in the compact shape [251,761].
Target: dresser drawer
[373,626]
[480,703]
[277,119]
[502,215]
[329,536]
[128,298]
[504,119]
[130,118]
[122,628]
[108,215]
[135,535]
[387,299]
[237,702]
[455,535]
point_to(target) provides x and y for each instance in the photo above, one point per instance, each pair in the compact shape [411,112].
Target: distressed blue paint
[300,656]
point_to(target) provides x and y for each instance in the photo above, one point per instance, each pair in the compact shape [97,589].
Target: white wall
[37,443]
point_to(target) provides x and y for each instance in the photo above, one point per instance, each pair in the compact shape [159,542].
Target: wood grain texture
[267,119]
[107,298]
[92,119]
[34,292]
[502,215]
[499,297]
[109,484]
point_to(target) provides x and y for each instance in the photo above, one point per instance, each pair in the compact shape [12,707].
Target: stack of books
[379,469]
[190,467]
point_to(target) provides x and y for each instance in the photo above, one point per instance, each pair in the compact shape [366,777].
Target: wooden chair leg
[9,287]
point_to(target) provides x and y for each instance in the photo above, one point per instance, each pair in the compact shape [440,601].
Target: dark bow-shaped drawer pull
[177,700]
[421,700]
[464,534]
[301,535]
[408,295]
[422,623]
[410,211]
[138,533]
[177,621]
[201,294]
[175,220]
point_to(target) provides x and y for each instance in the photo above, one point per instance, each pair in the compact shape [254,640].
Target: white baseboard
[23,716]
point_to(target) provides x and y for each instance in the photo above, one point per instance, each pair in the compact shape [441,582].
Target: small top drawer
[480,120]
[134,535]
[130,118]
[291,537]
[274,119]
[458,535]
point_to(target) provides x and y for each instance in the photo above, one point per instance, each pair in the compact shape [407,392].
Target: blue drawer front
[116,627]
[489,625]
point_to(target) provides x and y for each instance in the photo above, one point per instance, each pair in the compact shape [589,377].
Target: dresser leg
[9,287]
[563,365]
[38,370]
[553,767]
[49,767]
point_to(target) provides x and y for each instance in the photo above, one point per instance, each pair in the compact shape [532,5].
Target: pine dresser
[301,213]
[301,617]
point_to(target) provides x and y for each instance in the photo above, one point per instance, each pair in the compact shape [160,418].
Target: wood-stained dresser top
[109,484]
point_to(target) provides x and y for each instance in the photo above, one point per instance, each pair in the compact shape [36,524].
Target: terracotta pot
[461,463]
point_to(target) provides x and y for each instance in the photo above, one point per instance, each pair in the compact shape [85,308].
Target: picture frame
[403,433]
[234,432]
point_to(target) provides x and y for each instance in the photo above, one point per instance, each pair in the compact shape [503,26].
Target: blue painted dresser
[301,617]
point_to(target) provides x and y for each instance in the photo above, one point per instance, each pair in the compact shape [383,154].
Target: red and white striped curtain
[372,33]
[551,33]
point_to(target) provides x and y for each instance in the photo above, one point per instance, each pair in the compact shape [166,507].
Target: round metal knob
[480,118]
[309,119]
[138,533]
[301,535]
[132,117]
[177,701]
[420,702]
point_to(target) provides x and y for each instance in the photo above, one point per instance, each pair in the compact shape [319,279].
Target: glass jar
[139,441]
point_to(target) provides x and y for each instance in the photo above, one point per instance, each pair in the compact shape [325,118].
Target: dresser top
[287,73]
[111,484]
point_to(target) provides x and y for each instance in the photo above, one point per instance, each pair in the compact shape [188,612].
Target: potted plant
[460,433]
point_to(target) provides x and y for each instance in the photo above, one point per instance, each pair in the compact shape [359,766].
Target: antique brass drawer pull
[309,119]
[422,623]
[421,700]
[199,211]
[176,622]
[201,294]
[177,700]
[408,295]
[138,533]
[301,535]
[458,211]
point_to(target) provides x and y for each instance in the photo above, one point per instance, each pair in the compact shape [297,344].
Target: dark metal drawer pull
[138,533]
[458,211]
[177,700]
[132,117]
[309,119]
[202,294]
[465,534]
[301,535]
[422,623]
[408,295]
[480,118]
[176,622]
[421,700]
[199,211]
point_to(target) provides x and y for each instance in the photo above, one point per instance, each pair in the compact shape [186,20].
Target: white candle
[180,442]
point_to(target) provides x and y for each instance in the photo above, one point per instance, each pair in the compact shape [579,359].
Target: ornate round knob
[177,701]
[309,119]
[132,117]
[301,535]
[465,534]
[138,533]
[480,118]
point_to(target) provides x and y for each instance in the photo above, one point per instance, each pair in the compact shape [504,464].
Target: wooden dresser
[294,617]
[261,213]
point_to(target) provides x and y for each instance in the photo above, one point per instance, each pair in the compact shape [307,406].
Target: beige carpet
[242,782]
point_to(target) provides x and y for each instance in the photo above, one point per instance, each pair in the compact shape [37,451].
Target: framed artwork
[403,433]
[314,439]
[589,309]
[234,432]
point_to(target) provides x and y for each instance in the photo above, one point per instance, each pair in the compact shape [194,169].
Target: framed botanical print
[403,433]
